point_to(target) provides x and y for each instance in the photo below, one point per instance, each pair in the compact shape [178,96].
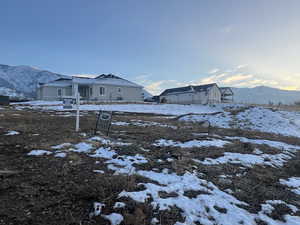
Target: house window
[119,90]
[59,92]
[102,91]
[91,91]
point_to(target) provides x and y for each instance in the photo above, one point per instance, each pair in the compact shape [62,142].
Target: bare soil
[49,190]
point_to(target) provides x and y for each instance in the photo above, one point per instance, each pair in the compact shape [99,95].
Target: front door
[84,91]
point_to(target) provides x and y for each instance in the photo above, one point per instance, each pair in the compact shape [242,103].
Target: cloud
[239,76]
[245,76]
[214,71]
[157,87]
[241,66]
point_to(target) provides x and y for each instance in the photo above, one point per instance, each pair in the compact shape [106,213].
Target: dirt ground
[53,191]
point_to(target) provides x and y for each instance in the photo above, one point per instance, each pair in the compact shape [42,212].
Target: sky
[158,44]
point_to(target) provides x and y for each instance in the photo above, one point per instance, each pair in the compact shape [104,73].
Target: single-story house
[200,94]
[101,88]
[226,95]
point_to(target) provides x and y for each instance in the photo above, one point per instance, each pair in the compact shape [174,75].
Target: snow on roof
[62,82]
[190,88]
[106,79]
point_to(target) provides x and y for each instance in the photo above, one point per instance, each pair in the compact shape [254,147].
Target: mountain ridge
[265,95]
[22,81]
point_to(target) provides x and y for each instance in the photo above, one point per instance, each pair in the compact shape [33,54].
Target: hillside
[265,95]
[21,82]
[17,81]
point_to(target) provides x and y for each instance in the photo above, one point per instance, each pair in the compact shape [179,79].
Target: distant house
[200,94]
[226,95]
[102,88]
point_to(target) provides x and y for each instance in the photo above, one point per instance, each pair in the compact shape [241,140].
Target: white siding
[111,93]
[210,96]
[214,95]
[51,93]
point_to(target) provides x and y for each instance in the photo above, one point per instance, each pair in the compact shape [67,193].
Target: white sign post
[77,109]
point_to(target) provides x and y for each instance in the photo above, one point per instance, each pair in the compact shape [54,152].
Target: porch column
[75,89]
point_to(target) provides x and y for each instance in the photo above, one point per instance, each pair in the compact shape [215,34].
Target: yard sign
[103,121]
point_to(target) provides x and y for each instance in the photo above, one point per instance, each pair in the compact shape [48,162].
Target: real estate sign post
[77,110]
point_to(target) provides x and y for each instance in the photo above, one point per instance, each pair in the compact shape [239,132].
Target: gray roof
[191,88]
[61,82]
[104,79]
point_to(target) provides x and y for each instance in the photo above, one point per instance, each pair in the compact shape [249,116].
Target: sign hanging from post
[103,123]
[68,102]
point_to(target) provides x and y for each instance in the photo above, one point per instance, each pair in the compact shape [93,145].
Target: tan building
[200,94]
[102,88]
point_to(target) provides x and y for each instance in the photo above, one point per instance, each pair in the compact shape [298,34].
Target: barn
[198,94]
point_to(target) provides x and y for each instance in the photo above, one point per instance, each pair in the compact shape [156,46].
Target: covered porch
[85,91]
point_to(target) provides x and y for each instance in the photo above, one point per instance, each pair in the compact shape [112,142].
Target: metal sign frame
[105,117]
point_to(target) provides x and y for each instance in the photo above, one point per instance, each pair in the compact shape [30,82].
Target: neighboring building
[226,95]
[201,94]
[102,88]
[4,100]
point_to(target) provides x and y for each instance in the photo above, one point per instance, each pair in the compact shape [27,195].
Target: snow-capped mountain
[18,81]
[265,95]
[21,82]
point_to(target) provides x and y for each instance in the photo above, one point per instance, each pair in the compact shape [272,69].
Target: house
[226,95]
[200,94]
[101,88]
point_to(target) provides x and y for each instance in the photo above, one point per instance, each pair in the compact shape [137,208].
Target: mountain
[20,81]
[265,95]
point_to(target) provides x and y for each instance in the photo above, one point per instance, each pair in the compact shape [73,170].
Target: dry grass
[49,190]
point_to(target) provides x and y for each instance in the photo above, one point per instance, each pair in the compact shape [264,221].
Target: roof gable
[106,79]
[108,76]
[226,90]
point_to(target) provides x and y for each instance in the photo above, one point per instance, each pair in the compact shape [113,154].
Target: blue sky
[156,43]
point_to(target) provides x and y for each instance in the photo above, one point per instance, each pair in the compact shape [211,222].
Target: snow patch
[82,147]
[98,171]
[293,183]
[12,132]
[39,152]
[114,218]
[60,155]
[191,144]
[108,141]
[203,208]
[64,145]
[248,160]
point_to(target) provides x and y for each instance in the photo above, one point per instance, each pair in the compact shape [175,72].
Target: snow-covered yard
[254,118]
[169,170]
[209,205]
[164,109]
